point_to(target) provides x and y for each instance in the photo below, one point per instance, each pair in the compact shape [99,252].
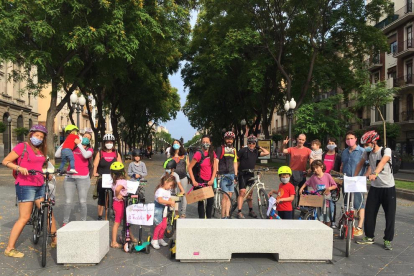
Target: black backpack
[197,166]
[392,162]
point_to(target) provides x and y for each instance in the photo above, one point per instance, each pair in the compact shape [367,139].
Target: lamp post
[290,111]
[242,132]
[77,105]
[122,121]
[9,120]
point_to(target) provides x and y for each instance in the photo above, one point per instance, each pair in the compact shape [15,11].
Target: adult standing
[79,182]
[382,190]
[102,165]
[178,154]
[331,158]
[227,169]
[208,169]
[351,156]
[30,155]
[247,158]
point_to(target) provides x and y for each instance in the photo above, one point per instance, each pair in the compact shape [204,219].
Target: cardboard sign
[140,214]
[106,181]
[199,194]
[311,200]
[356,184]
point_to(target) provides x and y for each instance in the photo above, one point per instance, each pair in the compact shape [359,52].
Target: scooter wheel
[126,247]
[172,245]
[147,249]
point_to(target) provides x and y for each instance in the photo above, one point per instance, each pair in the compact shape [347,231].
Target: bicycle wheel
[234,199]
[342,229]
[308,216]
[218,197]
[349,233]
[36,226]
[263,202]
[45,226]
[169,231]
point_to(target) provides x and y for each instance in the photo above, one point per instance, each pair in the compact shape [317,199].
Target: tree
[2,127]
[376,96]
[194,141]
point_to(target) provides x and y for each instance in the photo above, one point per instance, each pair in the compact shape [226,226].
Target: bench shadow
[264,256]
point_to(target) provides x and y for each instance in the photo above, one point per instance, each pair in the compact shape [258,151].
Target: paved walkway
[365,260]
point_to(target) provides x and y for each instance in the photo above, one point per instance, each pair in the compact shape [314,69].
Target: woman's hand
[50,177]
[195,183]
[23,171]
[286,141]
[119,196]
[210,183]
[96,174]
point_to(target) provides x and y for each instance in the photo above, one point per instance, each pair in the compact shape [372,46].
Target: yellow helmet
[283,170]
[117,166]
[70,128]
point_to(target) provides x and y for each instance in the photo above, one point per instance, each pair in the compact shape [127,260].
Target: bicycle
[42,218]
[311,213]
[218,198]
[172,217]
[262,197]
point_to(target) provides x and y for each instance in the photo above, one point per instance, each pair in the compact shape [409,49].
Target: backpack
[15,173]
[197,166]
[392,162]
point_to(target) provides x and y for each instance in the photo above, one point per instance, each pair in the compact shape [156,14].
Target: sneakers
[162,242]
[72,171]
[14,253]
[387,245]
[358,232]
[99,217]
[366,240]
[333,226]
[240,215]
[252,214]
[155,244]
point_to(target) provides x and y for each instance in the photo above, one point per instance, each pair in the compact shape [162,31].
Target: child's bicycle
[311,213]
[336,194]
[271,212]
[172,224]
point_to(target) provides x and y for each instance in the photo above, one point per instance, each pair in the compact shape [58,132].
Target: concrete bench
[200,240]
[83,242]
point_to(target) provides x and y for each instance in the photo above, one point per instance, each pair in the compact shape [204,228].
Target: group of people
[182,175]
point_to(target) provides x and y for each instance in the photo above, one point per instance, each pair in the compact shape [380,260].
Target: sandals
[53,244]
[183,216]
[14,253]
[117,246]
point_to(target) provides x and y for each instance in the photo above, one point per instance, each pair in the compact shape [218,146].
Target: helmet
[283,170]
[108,137]
[117,166]
[252,138]
[135,153]
[369,137]
[70,128]
[229,134]
[88,130]
[170,164]
[39,128]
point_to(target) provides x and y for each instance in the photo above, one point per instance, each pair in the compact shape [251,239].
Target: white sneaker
[72,171]
[155,244]
[162,242]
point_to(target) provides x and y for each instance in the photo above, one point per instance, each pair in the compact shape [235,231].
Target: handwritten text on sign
[140,214]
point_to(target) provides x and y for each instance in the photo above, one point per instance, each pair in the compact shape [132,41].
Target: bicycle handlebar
[256,170]
[34,172]
[320,191]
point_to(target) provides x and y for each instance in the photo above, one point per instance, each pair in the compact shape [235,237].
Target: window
[409,6]
[409,67]
[409,37]
[393,47]
[383,112]
[396,109]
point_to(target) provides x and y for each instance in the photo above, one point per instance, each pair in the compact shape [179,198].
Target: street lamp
[9,120]
[77,104]
[290,111]
[243,124]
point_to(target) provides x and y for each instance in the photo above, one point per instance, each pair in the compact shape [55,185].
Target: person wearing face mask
[285,193]
[102,165]
[137,168]
[350,158]
[178,154]
[331,158]
[170,166]
[382,191]
[30,189]
[79,182]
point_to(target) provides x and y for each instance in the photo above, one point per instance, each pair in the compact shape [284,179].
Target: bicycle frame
[257,184]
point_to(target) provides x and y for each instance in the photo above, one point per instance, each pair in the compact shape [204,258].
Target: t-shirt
[385,178]
[70,142]
[285,191]
[326,180]
[351,159]
[30,161]
[123,192]
[247,158]
[329,162]
[176,176]
[165,194]
[298,158]
[316,154]
[82,164]
[205,167]
[109,156]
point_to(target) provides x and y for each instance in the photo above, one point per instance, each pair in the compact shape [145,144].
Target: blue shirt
[350,160]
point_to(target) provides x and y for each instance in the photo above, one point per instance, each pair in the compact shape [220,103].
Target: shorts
[358,201]
[243,179]
[29,193]
[119,210]
[227,183]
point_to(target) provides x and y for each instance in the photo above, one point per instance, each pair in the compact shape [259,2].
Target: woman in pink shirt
[332,159]
[29,188]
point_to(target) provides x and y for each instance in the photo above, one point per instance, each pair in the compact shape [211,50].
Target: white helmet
[108,137]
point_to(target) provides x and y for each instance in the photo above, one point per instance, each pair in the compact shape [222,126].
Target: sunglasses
[251,143]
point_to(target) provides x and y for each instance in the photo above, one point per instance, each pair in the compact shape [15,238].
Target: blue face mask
[176,146]
[85,141]
[36,142]
[368,149]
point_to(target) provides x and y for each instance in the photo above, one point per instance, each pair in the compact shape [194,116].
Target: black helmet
[170,164]
[135,152]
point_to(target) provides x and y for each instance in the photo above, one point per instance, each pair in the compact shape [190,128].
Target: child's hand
[327,192]
[278,201]
[270,194]
[119,196]
[77,141]
[137,176]
[300,191]
[171,203]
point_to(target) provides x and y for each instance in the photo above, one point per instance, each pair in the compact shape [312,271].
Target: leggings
[160,229]
[71,185]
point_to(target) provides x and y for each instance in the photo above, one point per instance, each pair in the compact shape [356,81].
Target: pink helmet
[369,137]
[229,134]
[39,128]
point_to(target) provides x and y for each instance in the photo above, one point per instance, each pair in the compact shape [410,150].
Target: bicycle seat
[252,180]
[143,181]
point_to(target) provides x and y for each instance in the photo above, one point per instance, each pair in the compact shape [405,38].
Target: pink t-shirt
[30,161]
[82,164]
[123,192]
[326,180]
[205,167]
[329,162]
[109,156]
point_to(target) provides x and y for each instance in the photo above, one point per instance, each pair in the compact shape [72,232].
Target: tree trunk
[385,128]
[50,122]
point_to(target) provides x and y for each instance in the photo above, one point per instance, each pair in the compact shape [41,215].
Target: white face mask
[284,180]
[109,146]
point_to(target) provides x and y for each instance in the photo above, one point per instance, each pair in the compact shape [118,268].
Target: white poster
[356,184]
[106,181]
[140,214]
[132,187]
[272,201]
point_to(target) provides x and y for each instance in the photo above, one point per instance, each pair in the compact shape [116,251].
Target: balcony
[405,81]
[407,48]
[373,63]
[399,17]
[407,116]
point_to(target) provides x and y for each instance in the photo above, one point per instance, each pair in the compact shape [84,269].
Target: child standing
[137,168]
[162,200]
[316,153]
[119,187]
[285,194]
[68,146]
[321,180]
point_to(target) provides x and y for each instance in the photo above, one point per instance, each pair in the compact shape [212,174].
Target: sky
[180,127]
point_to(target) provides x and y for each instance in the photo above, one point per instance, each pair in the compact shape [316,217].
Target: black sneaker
[99,217]
[252,214]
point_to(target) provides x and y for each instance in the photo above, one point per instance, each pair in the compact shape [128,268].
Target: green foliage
[2,127]
[276,138]
[165,136]
[20,131]
[393,130]
[194,141]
